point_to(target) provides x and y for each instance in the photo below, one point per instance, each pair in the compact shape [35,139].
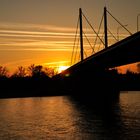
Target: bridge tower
[81,34]
[105,27]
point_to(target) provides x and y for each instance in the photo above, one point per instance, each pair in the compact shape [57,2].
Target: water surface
[67,118]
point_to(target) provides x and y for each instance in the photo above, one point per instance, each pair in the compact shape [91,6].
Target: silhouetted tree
[21,72]
[3,71]
[36,71]
[31,69]
[128,72]
[50,71]
[138,67]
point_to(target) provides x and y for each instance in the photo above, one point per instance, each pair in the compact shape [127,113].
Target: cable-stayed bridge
[122,52]
[92,73]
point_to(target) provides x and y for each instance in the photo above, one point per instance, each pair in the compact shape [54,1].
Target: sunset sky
[42,31]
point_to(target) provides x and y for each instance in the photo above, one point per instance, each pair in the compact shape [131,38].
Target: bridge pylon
[105,27]
[81,35]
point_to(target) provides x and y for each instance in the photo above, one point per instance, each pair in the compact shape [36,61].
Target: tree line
[31,71]
[37,80]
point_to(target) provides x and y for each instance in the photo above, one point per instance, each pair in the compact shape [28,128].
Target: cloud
[34,37]
[56,64]
[37,27]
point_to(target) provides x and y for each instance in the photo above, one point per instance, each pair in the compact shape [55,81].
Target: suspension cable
[75,39]
[85,54]
[98,32]
[93,28]
[100,42]
[89,42]
[119,23]
[76,50]
[112,34]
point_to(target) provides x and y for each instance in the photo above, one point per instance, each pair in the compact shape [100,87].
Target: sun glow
[62,68]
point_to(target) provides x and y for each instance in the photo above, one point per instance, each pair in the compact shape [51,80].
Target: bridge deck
[123,52]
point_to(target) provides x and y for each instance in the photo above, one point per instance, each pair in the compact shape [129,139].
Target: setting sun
[62,68]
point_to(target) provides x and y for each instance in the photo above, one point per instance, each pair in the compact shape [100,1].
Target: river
[65,118]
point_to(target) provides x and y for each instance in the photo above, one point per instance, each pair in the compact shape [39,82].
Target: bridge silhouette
[123,52]
[93,73]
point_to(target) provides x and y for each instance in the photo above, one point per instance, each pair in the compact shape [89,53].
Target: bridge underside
[121,53]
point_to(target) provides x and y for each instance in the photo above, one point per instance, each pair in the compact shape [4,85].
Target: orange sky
[42,31]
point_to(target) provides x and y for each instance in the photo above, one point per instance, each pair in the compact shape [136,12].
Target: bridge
[122,52]
[92,73]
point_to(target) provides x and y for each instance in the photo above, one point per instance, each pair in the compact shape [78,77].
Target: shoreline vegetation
[37,81]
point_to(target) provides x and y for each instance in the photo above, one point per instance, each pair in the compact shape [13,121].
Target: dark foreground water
[65,118]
